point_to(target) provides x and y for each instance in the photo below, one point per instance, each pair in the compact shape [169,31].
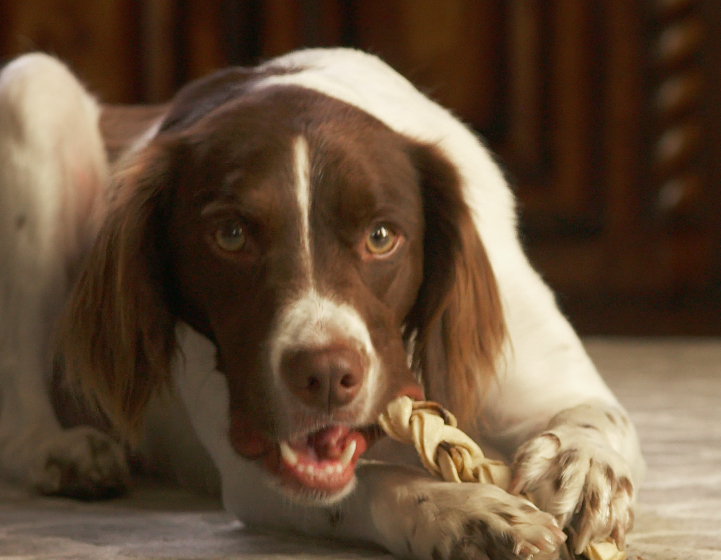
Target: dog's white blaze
[315,321]
[301,168]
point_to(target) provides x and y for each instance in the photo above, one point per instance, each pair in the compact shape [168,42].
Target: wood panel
[626,247]
[99,39]
[681,160]
[203,49]
[609,147]
[454,54]
[159,64]
[711,115]
[524,146]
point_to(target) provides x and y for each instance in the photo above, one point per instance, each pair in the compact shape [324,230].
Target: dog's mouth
[323,462]
[317,465]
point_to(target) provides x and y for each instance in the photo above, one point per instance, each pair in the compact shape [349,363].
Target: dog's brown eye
[381,240]
[230,236]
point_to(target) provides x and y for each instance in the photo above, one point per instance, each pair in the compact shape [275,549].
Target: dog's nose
[324,378]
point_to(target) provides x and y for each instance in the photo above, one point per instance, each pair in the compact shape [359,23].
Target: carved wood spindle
[676,105]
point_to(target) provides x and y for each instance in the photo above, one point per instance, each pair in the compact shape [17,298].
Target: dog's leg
[52,171]
[414,516]
[406,512]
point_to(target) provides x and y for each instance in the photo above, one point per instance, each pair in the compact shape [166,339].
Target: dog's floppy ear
[457,323]
[116,335]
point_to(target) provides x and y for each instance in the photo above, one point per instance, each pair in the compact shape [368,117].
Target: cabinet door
[99,39]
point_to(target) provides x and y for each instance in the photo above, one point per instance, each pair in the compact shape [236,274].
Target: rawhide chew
[450,454]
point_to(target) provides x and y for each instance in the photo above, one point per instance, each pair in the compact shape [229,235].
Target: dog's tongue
[327,443]
[323,461]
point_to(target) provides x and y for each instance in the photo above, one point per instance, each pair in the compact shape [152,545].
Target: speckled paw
[449,521]
[82,463]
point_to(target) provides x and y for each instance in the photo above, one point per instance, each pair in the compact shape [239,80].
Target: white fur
[315,321]
[52,171]
[301,167]
[546,397]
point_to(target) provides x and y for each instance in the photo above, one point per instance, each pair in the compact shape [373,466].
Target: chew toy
[450,454]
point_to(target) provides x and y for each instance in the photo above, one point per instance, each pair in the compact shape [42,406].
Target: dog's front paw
[442,520]
[81,463]
[572,472]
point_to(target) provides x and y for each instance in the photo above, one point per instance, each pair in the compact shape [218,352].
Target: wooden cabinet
[99,39]
[606,115]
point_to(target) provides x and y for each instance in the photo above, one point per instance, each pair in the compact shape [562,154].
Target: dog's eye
[381,240]
[230,236]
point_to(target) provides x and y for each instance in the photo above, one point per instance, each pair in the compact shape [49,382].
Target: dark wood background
[606,115]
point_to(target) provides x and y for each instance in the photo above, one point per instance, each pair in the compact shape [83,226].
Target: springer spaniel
[288,248]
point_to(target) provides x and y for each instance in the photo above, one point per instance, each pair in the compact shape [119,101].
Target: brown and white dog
[288,248]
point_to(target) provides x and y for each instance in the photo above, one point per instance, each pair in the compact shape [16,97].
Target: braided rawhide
[450,454]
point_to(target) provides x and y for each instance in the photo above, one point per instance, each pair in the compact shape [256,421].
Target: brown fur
[116,334]
[458,319]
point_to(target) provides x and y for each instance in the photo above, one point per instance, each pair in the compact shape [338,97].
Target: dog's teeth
[289,456]
[347,454]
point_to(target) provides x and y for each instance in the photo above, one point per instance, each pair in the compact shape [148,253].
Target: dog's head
[332,261]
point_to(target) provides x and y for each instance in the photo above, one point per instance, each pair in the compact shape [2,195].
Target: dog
[271,258]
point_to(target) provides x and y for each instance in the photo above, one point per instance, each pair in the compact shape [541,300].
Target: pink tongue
[328,443]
